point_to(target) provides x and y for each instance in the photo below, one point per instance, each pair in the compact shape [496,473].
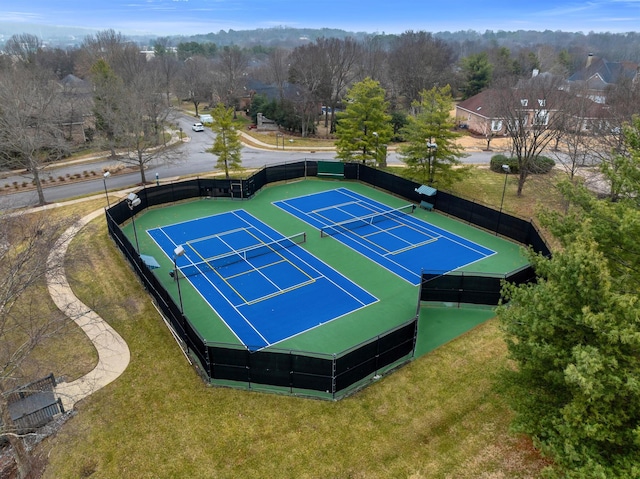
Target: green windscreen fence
[331,168]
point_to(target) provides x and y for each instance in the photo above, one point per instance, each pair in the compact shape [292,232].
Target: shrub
[498,160]
[541,164]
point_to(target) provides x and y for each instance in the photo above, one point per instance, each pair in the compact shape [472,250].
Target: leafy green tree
[365,126]
[431,153]
[477,71]
[575,334]
[227,145]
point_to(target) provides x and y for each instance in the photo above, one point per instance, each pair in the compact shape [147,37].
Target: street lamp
[431,147]
[179,251]
[132,201]
[375,133]
[104,181]
[506,170]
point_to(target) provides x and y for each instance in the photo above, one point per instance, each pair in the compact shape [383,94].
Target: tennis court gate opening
[299,372]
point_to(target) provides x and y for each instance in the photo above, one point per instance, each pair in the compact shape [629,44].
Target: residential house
[599,74]
[479,115]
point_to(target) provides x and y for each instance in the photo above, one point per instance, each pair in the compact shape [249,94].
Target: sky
[188,17]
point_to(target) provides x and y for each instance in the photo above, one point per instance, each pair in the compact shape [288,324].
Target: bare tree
[23,47]
[26,324]
[195,83]
[107,45]
[344,59]
[30,132]
[577,143]
[532,117]
[277,69]
[417,62]
[166,62]
[142,123]
[374,60]
[229,77]
[308,71]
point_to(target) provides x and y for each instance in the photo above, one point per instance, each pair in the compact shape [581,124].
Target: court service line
[303,261]
[222,317]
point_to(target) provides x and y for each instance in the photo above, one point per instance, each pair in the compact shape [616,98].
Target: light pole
[179,251]
[431,147]
[506,170]
[375,133]
[106,175]
[132,201]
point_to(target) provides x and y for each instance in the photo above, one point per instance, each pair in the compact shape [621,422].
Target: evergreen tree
[575,334]
[431,153]
[227,145]
[365,126]
[477,71]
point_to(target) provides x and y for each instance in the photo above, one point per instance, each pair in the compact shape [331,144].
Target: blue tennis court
[266,287]
[393,238]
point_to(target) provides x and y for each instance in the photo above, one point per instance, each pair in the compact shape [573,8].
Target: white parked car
[197,127]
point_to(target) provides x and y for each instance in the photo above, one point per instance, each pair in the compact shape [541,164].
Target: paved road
[190,158]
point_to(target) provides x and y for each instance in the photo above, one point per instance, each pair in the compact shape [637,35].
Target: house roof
[609,72]
[479,104]
[483,104]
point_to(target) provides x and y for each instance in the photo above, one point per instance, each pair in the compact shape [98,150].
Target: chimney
[589,59]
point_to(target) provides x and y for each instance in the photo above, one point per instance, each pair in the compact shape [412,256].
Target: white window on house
[542,102]
[517,124]
[541,117]
[524,102]
[496,125]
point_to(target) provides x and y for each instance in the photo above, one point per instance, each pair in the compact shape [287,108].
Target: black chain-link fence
[300,372]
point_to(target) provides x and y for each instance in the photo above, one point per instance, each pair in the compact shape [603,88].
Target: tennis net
[244,254]
[370,219]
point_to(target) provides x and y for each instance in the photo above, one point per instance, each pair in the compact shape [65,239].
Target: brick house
[480,114]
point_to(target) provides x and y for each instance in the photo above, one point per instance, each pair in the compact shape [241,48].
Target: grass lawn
[442,416]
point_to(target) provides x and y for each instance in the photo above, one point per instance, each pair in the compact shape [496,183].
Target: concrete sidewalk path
[113,352]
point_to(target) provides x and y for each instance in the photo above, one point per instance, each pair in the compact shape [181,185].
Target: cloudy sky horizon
[188,17]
